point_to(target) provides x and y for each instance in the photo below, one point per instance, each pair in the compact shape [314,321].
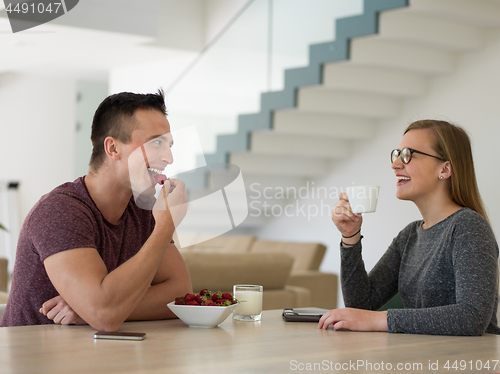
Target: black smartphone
[117,335]
[303,315]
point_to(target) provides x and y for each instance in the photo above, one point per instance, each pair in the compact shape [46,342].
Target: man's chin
[146,198]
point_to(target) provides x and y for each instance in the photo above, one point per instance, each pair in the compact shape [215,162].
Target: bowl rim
[197,306]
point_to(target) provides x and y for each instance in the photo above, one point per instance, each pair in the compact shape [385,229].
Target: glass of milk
[249,307]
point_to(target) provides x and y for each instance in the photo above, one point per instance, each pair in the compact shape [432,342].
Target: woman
[444,266]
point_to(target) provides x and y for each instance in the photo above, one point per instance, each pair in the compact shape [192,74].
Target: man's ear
[445,172]
[112,148]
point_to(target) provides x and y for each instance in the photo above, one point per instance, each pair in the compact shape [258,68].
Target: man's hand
[60,312]
[354,320]
[175,205]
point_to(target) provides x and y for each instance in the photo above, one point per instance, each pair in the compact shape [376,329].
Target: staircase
[378,59]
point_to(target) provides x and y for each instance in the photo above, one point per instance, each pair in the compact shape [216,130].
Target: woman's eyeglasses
[406,155]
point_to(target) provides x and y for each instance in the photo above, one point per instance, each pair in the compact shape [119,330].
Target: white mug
[363,199]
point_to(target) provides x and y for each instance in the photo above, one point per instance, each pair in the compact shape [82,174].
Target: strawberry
[206,298]
[180,301]
[217,295]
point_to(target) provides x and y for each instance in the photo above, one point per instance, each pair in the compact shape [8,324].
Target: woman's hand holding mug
[347,222]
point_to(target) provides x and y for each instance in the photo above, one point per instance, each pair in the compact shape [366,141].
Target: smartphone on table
[303,315]
[117,335]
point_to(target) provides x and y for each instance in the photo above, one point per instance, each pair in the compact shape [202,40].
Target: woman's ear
[445,172]
[111,147]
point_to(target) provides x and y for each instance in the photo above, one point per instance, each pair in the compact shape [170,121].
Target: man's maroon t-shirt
[65,219]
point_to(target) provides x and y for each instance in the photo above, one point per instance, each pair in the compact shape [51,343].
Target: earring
[441,177]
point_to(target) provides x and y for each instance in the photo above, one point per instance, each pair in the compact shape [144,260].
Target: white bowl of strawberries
[206,309]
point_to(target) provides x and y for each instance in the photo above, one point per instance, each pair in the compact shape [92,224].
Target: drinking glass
[249,307]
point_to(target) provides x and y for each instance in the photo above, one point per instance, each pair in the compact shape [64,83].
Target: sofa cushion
[308,256]
[4,276]
[219,244]
[4,296]
[323,287]
[289,297]
[220,271]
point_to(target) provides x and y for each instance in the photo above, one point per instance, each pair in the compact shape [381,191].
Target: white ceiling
[86,43]
[126,16]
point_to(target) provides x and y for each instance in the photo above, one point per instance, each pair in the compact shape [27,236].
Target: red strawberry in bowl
[180,301]
[207,298]
[209,303]
[217,295]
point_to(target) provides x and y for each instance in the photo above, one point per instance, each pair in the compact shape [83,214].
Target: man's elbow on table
[105,319]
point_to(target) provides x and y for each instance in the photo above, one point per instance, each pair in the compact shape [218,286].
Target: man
[87,253]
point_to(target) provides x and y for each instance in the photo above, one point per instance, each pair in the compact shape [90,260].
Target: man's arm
[171,280]
[105,300]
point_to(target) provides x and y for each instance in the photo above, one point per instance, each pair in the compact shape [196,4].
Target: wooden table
[269,346]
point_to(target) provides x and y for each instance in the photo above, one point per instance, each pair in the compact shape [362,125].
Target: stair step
[347,76]
[321,99]
[408,26]
[376,51]
[265,164]
[480,13]
[295,121]
[269,142]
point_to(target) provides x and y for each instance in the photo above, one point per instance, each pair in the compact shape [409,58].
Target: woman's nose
[397,164]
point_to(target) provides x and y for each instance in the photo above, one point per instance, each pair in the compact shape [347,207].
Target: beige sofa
[4,280]
[288,271]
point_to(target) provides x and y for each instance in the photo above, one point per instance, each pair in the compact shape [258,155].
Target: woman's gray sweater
[446,276]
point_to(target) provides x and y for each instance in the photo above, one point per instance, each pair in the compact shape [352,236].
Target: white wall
[218,13]
[181,24]
[37,127]
[89,95]
[468,97]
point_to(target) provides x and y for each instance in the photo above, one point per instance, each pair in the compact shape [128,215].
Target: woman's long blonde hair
[452,143]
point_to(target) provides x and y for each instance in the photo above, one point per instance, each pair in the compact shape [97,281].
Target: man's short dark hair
[115,117]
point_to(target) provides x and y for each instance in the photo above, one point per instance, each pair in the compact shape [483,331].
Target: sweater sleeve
[370,291]
[474,254]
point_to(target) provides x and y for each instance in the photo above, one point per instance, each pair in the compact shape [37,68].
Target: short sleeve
[61,222]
